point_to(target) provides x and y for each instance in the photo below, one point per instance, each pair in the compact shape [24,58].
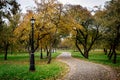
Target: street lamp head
[32,20]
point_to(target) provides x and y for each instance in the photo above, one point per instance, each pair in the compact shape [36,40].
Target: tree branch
[78,47]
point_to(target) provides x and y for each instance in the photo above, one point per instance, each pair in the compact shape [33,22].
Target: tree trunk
[78,47]
[85,53]
[41,54]
[47,51]
[49,58]
[49,55]
[110,51]
[116,42]
[111,54]
[6,52]
[105,51]
[115,55]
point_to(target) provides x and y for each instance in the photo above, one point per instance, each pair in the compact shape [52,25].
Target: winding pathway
[83,70]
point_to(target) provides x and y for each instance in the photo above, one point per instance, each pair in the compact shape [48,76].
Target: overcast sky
[26,4]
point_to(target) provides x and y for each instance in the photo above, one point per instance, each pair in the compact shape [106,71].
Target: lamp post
[32,61]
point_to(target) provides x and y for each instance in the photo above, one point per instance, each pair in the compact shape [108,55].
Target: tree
[50,12]
[109,18]
[11,12]
[86,27]
[25,35]
[112,24]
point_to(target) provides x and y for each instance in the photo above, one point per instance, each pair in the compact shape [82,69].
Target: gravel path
[83,70]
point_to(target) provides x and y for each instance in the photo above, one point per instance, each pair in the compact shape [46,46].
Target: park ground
[17,67]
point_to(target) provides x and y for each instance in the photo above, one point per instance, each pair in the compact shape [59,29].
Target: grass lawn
[17,68]
[98,57]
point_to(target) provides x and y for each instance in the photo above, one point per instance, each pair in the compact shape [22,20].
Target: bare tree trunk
[41,54]
[49,57]
[110,51]
[115,57]
[85,53]
[47,51]
[78,47]
[6,51]
[105,51]
[116,42]
[111,54]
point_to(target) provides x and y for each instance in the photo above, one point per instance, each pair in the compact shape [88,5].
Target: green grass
[21,72]
[98,57]
[17,68]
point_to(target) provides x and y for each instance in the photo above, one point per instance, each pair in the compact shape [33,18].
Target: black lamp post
[32,61]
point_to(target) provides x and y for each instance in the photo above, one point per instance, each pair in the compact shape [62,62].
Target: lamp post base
[32,62]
